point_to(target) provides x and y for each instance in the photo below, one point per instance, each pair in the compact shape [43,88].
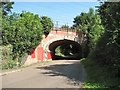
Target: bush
[6,52]
[6,57]
[9,64]
[23,31]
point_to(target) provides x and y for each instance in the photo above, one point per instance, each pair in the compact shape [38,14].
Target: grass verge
[99,77]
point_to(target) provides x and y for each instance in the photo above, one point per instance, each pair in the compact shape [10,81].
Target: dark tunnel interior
[65,49]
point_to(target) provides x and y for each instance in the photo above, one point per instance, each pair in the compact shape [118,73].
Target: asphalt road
[55,74]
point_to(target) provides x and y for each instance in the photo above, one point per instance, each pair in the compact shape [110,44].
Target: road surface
[55,74]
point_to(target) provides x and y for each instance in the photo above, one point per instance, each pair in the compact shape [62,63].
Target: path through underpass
[55,74]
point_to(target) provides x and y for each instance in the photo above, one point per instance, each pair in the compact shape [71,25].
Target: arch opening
[65,49]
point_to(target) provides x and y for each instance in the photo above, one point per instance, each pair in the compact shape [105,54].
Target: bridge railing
[78,36]
[64,29]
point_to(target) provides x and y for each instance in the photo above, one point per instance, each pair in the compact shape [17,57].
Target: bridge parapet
[63,29]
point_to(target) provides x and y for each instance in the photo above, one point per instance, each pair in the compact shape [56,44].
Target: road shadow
[74,72]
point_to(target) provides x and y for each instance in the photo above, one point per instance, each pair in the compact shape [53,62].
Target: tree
[89,23]
[108,46]
[23,31]
[65,27]
[80,20]
[47,24]
[6,7]
[111,11]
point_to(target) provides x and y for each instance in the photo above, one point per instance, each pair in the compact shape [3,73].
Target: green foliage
[110,13]
[58,51]
[67,49]
[93,85]
[103,64]
[9,64]
[47,24]
[6,57]
[63,50]
[6,52]
[6,7]
[64,27]
[98,76]
[107,52]
[90,23]
[0,26]
[80,21]
[23,31]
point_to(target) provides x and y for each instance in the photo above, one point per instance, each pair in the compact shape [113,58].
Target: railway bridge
[45,51]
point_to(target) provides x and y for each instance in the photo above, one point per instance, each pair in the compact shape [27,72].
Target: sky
[61,12]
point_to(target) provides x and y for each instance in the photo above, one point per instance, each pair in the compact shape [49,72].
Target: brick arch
[42,51]
[46,46]
[76,45]
[47,51]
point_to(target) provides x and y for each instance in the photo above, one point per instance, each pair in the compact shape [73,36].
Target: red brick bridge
[45,50]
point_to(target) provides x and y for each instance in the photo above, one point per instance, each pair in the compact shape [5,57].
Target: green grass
[98,77]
